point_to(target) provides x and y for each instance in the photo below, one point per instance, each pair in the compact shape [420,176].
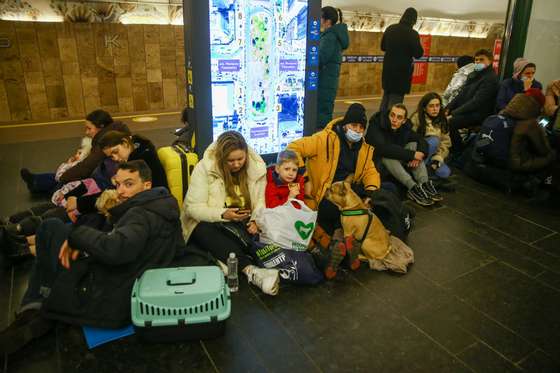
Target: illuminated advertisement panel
[258,70]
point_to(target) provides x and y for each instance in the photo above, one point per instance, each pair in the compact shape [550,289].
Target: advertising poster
[258,70]
[420,74]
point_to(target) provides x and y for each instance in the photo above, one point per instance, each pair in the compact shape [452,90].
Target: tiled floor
[483,296]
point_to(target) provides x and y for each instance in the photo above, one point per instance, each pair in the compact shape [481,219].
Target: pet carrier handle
[181,278]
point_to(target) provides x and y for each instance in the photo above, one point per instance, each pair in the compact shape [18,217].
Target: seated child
[59,196]
[284,180]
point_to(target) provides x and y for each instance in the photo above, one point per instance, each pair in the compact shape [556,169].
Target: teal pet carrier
[185,303]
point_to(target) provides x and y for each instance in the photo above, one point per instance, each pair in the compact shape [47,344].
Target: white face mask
[353,136]
[479,66]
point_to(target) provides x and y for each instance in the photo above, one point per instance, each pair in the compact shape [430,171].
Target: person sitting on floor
[94,283]
[334,154]
[402,152]
[284,180]
[429,121]
[465,66]
[227,187]
[551,98]
[476,100]
[530,150]
[523,79]
[98,122]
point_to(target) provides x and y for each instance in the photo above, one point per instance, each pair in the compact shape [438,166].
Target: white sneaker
[266,279]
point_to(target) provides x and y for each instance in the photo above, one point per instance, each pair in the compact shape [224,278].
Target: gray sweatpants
[401,172]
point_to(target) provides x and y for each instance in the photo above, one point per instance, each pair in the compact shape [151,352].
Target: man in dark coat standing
[401,43]
[92,284]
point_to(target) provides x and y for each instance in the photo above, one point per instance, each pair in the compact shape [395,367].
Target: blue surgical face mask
[479,66]
[353,136]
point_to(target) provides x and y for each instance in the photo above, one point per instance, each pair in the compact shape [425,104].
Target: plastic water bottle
[232,279]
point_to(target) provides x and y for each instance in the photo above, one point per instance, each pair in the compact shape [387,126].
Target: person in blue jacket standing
[334,39]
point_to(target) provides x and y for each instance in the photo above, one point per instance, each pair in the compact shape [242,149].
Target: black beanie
[356,114]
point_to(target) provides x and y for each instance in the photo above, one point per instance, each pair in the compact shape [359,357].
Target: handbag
[287,226]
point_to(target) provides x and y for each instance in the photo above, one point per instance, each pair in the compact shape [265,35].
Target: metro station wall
[360,79]
[65,70]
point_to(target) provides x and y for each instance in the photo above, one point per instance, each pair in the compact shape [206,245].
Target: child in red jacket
[284,181]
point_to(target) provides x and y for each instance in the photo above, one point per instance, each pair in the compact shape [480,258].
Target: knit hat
[519,65]
[356,114]
[536,94]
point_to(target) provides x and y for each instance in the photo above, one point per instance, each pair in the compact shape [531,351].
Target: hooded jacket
[509,88]
[334,40]
[320,154]
[277,192]
[96,289]
[401,43]
[206,198]
[530,149]
[478,95]
[391,144]
[84,168]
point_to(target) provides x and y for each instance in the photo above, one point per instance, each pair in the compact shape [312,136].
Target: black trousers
[458,122]
[211,237]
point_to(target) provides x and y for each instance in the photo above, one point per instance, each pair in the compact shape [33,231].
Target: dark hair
[399,106]
[464,61]
[185,115]
[139,166]
[440,120]
[484,52]
[530,64]
[409,17]
[114,138]
[329,13]
[99,118]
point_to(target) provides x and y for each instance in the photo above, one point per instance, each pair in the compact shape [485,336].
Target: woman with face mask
[334,154]
[430,122]
[522,80]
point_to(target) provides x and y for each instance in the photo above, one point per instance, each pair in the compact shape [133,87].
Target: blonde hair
[228,142]
[106,201]
[287,156]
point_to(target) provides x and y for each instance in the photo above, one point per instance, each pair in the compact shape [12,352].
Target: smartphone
[544,121]
[244,211]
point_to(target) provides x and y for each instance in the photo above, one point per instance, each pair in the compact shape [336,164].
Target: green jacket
[334,40]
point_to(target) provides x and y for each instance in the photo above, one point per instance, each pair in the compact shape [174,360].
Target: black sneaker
[27,177]
[27,326]
[418,195]
[431,191]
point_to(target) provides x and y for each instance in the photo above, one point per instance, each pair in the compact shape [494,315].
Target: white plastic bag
[287,226]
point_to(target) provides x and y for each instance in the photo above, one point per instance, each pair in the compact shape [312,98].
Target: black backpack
[493,140]
[396,217]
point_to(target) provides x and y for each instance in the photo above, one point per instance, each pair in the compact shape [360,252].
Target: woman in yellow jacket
[429,121]
[332,155]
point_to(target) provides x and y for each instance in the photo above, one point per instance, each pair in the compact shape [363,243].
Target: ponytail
[339,11]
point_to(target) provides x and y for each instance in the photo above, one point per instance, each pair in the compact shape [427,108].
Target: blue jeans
[48,239]
[443,172]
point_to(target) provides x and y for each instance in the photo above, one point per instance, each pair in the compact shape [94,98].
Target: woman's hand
[418,156]
[252,227]
[527,83]
[235,214]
